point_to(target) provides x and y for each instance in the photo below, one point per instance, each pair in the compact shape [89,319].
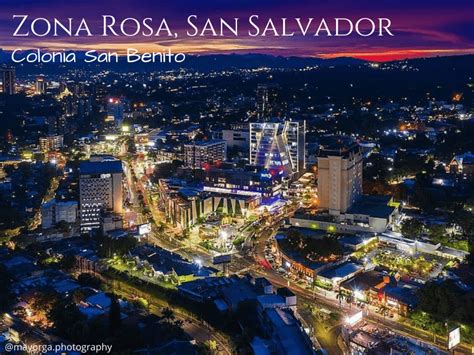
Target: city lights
[231,188]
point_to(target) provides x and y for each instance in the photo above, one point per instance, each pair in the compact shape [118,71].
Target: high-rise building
[57,125]
[267,95]
[279,147]
[237,136]
[100,190]
[40,85]
[70,105]
[100,93]
[51,143]
[8,80]
[339,175]
[198,154]
[84,108]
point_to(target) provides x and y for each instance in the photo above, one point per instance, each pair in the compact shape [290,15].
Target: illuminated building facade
[339,176]
[8,80]
[279,147]
[267,95]
[51,143]
[198,155]
[40,85]
[100,188]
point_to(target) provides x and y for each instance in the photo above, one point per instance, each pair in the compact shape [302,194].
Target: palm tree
[167,314]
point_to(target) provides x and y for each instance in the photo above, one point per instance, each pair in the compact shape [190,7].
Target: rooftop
[270,301]
[374,206]
[364,281]
[365,340]
[351,240]
[207,288]
[338,146]
[403,292]
[166,262]
[207,143]
[286,330]
[101,167]
[341,271]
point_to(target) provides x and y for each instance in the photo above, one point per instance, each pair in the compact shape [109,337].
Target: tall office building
[339,175]
[100,190]
[267,95]
[198,154]
[8,80]
[40,85]
[279,147]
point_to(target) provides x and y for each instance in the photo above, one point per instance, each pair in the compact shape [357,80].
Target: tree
[411,228]
[294,238]
[437,233]
[167,314]
[63,226]
[68,321]
[471,250]
[5,291]
[78,295]
[120,246]
[89,280]
[170,327]
[44,301]
[465,220]
[166,170]
[131,147]
[423,193]
[442,305]
[210,346]
[160,228]
[67,262]
[115,320]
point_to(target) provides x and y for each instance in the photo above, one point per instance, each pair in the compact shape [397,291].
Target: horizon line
[391,55]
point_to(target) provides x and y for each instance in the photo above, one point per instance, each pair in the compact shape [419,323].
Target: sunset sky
[421,28]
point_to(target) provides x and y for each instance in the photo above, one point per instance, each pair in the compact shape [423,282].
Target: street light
[223,234]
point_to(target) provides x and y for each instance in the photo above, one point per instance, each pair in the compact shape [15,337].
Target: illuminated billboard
[144,228]
[353,319]
[454,337]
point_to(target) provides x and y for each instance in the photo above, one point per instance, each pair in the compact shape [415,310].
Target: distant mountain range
[208,63]
[197,62]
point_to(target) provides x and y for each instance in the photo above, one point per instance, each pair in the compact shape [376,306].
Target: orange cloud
[387,55]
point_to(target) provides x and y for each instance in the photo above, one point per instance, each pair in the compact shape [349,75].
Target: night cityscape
[245,200]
